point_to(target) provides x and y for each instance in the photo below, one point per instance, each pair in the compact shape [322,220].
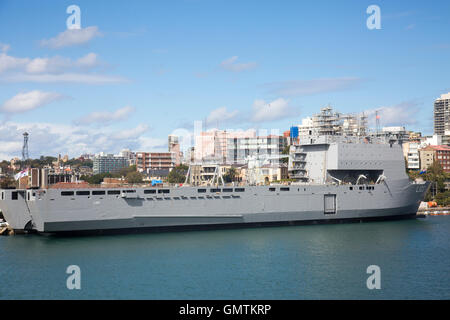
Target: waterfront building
[240,149]
[442,117]
[441,154]
[155,163]
[411,153]
[129,155]
[109,163]
[212,145]
[427,157]
[434,140]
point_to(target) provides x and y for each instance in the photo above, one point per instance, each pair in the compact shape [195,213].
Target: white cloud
[397,115]
[27,101]
[55,69]
[53,139]
[51,65]
[11,63]
[132,133]
[221,114]
[59,64]
[72,37]
[88,61]
[106,116]
[275,110]
[314,86]
[231,65]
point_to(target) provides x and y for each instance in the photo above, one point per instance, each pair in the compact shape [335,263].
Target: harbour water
[300,262]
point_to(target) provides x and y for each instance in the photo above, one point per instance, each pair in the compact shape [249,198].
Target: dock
[438,211]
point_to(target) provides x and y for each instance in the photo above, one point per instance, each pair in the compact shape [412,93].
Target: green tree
[96,178]
[436,175]
[285,151]
[178,174]
[125,171]
[134,177]
[230,175]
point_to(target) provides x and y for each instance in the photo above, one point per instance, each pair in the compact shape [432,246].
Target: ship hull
[187,208]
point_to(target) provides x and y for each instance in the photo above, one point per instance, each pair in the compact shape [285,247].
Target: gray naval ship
[338,177]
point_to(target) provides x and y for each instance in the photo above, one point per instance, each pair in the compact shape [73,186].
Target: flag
[21,174]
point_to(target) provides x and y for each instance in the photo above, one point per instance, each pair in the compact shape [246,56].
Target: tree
[134,177]
[230,175]
[285,151]
[125,171]
[96,178]
[7,183]
[178,174]
[436,175]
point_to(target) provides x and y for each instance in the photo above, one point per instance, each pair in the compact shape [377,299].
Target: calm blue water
[304,262]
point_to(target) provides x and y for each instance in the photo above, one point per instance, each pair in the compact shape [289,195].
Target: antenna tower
[25,155]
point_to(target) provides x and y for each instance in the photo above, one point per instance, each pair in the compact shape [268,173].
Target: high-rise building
[109,163]
[174,147]
[442,117]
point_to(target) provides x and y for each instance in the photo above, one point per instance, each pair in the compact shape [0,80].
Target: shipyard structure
[338,172]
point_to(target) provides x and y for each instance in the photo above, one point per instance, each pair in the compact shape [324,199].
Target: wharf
[439,211]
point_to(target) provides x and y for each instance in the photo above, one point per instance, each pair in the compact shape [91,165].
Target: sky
[136,71]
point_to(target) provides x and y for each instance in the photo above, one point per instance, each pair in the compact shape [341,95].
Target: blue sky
[141,69]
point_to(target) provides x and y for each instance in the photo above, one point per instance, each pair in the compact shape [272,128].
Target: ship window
[194,198]
[113,191]
[129,191]
[201,197]
[67,193]
[271,189]
[226,197]
[83,193]
[209,197]
[216,197]
[149,191]
[151,199]
[227,190]
[159,199]
[163,191]
[201,190]
[3,195]
[239,189]
[351,188]
[168,198]
[284,189]
[236,196]
[98,192]
[215,190]
[361,188]
[176,198]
